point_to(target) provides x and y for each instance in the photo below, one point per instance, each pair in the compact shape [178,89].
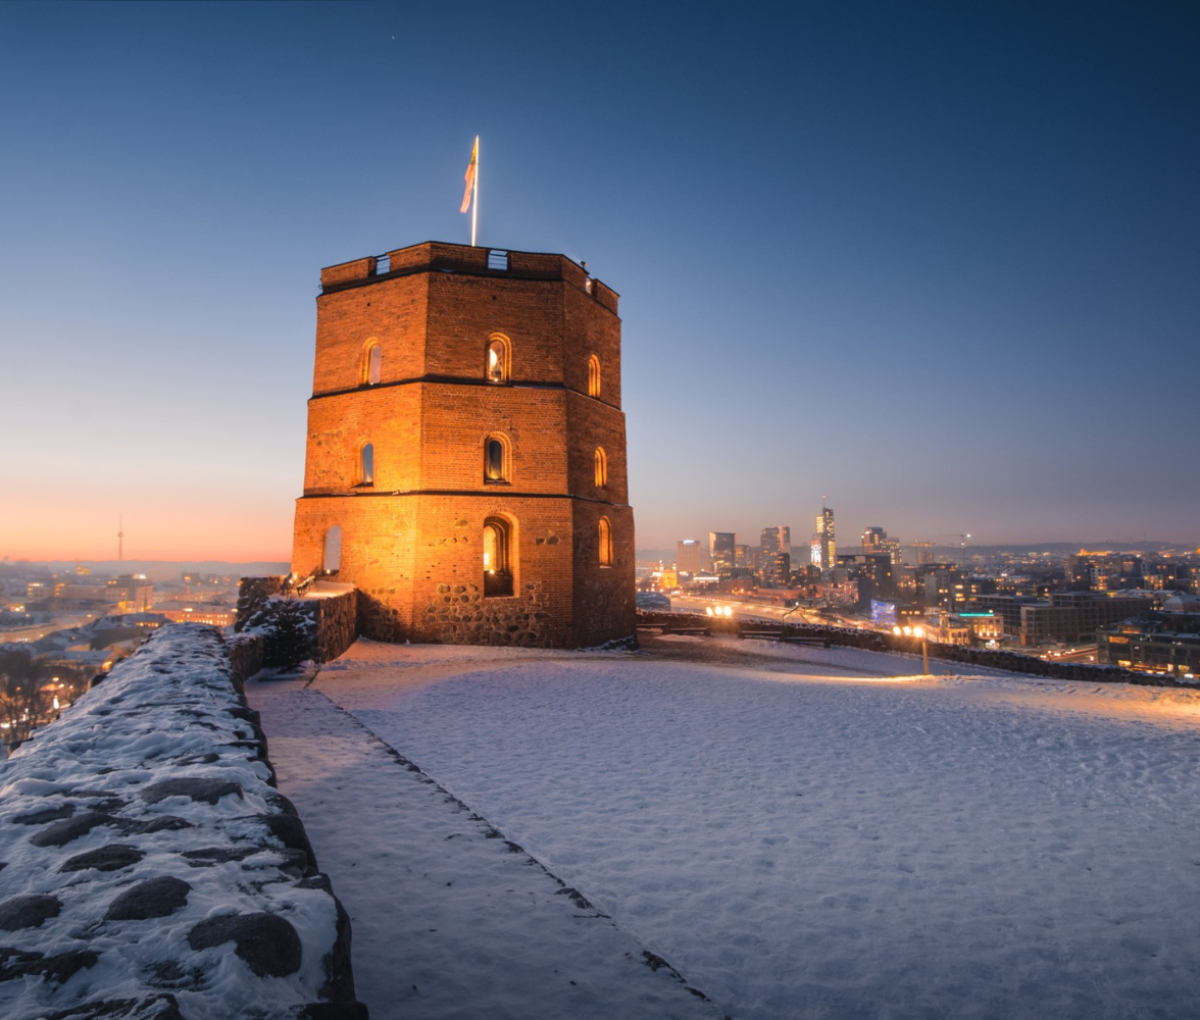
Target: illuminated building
[134,592]
[875,540]
[985,625]
[465,466]
[722,551]
[1170,577]
[1073,616]
[214,616]
[824,544]
[1160,642]
[89,593]
[775,556]
[777,539]
[689,556]
[1104,571]
[38,591]
[872,572]
[776,569]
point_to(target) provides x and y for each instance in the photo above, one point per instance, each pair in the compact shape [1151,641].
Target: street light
[917,632]
[920,632]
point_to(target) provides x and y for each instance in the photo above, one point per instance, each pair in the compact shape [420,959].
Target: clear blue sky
[938,261]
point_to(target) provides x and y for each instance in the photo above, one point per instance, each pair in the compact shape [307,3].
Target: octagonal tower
[465,463]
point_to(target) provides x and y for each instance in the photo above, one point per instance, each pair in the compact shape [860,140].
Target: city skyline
[937,263]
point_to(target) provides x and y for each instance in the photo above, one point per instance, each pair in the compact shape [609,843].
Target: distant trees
[28,688]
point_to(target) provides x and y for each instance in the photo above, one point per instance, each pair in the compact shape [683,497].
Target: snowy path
[812,843]
[449,921]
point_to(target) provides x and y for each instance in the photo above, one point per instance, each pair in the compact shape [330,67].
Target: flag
[469,176]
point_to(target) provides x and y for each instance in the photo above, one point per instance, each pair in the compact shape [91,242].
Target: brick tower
[465,465]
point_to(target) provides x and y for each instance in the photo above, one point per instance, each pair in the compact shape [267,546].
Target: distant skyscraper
[775,556]
[824,547]
[722,547]
[689,556]
[875,540]
[777,539]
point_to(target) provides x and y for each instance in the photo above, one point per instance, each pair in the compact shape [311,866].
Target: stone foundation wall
[460,614]
[245,655]
[337,624]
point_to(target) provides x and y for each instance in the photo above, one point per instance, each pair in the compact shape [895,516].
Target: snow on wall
[331,609]
[148,867]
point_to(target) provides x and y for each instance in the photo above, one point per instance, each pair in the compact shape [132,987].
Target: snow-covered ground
[802,833]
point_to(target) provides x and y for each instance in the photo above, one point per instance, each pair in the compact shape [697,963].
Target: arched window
[606,543]
[496,366]
[372,363]
[366,465]
[495,460]
[497,557]
[601,468]
[593,376]
[333,550]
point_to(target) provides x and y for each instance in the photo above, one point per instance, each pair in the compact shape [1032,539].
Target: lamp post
[917,632]
[920,632]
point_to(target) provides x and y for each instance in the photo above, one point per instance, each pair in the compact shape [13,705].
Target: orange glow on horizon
[224,532]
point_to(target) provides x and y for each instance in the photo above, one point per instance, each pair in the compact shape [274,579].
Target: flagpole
[475,204]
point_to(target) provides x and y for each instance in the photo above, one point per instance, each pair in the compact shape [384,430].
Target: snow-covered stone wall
[328,615]
[148,867]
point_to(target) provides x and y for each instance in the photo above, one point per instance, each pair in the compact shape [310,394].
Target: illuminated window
[366,465]
[593,376]
[372,363]
[606,544]
[495,456]
[333,550]
[497,562]
[497,360]
[601,468]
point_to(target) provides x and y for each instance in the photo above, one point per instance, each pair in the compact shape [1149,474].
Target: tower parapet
[459,258]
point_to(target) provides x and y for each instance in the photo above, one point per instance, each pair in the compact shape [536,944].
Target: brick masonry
[412,534]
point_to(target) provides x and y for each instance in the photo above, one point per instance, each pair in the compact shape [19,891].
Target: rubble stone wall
[337,625]
[151,870]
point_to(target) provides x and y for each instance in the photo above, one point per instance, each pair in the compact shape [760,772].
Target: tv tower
[121,538]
